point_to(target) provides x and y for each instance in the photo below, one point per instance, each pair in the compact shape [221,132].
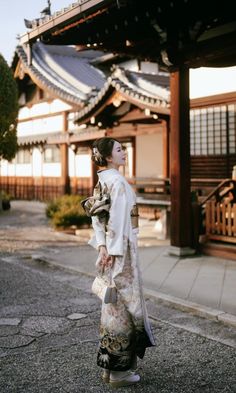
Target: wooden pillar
[65,180]
[181,233]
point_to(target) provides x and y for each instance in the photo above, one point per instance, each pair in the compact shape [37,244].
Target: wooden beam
[217,99]
[180,162]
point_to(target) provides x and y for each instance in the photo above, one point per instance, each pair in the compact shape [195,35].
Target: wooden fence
[42,188]
[221,221]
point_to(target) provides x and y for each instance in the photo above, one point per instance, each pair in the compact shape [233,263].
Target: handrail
[137,179]
[224,183]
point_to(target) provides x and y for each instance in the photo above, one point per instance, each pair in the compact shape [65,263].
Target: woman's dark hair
[102,148]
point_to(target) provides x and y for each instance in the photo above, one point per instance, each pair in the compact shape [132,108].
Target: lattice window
[23,156]
[52,154]
[213,130]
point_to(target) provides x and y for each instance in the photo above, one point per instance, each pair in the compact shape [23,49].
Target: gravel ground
[49,334]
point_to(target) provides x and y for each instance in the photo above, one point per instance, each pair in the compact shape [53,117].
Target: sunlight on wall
[40,126]
[52,170]
[43,108]
[24,170]
[149,155]
[130,160]
[206,81]
[83,165]
[71,161]
[37,163]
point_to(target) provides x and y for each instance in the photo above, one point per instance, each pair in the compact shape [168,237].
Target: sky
[203,81]
[12,15]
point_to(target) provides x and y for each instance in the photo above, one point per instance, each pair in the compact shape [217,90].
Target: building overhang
[173,33]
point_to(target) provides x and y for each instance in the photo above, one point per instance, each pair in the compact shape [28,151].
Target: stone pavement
[200,284]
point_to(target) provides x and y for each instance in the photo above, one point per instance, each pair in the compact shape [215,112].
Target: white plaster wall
[83,165]
[79,165]
[149,155]
[3,168]
[43,108]
[10,169]
[40,126]
[37,162]
[71,163]
[58,105]
[52,170]
[7,168]
[24,169]
[130,161]
[13,169]
[36,168]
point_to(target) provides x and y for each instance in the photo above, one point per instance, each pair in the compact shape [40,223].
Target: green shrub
[5,195]
[5,199]
[66,211]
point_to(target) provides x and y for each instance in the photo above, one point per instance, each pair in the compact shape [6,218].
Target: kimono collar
[107,173]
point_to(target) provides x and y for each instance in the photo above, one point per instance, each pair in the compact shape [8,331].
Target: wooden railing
[218,212]
[225,189]
[42,188]
[221,221]
[153,196]
[150,185]
[29,188]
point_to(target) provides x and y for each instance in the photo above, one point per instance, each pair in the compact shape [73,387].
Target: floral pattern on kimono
[125,330]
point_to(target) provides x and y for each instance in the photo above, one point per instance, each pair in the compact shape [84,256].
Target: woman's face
[118,156]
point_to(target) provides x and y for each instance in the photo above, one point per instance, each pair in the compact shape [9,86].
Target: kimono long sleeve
[118,216]
[100,232]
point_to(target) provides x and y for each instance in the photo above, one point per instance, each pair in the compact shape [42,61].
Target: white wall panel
[149,155]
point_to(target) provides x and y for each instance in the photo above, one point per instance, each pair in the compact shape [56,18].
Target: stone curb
[194,308]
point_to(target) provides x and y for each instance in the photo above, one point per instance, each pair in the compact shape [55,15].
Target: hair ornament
[96,153]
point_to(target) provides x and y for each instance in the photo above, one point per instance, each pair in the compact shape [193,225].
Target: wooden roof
[174,33]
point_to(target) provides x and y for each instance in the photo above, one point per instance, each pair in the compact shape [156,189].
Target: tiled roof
[137,85]
[63,71]
[134,87]
[75,77]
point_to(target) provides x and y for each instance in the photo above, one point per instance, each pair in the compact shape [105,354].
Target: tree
[8,111]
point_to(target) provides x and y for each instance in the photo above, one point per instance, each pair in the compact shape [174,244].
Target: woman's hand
[106,260]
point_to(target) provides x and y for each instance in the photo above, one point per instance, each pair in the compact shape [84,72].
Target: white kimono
[125,330]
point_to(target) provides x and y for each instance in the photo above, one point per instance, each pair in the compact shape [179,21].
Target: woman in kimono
[125,331]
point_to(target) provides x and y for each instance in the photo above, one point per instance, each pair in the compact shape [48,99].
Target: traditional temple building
[196,148]
[70,97]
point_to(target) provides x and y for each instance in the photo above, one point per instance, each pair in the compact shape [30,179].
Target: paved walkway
[201,284]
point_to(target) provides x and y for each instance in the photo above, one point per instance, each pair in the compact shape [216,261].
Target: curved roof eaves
[97,104]
[41,78]
[135,85]
[140,98]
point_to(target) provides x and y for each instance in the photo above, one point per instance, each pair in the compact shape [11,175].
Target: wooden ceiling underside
[173,33]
